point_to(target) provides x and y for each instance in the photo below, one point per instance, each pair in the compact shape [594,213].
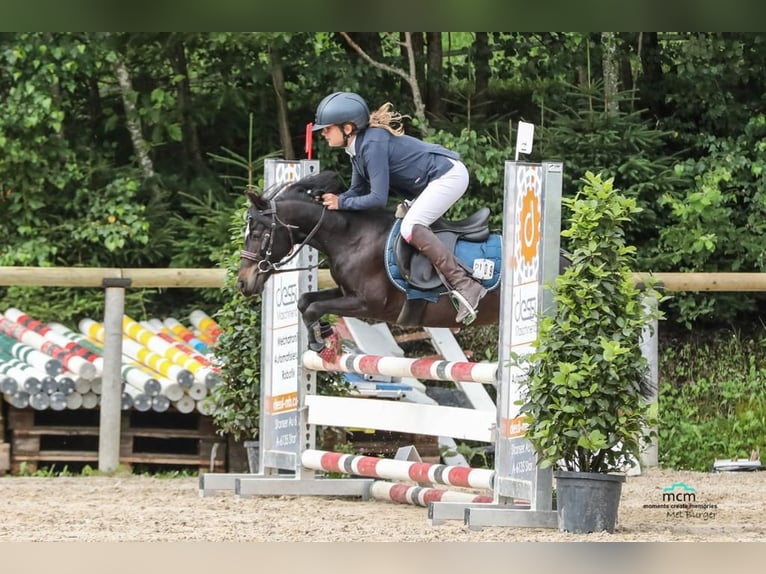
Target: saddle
[477,250]
[417,269]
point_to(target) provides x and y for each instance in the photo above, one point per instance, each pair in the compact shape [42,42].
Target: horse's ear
[321,183]
[256,200]
[313,191]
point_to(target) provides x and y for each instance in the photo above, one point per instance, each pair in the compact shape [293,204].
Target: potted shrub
[585,399]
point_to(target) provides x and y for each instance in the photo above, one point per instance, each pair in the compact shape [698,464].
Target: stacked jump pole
[114,281]
[290,409]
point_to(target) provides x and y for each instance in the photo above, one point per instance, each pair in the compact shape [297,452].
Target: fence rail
[95,277]
[175,277]
[708,281]
[215,278]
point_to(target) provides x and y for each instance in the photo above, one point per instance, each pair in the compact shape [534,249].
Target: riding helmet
[340,108]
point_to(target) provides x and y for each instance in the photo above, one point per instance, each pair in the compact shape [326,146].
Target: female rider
[383,158]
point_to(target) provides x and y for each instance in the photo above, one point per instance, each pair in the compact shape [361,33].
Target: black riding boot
[465,290]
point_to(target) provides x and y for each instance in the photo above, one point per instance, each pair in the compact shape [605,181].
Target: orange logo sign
[529,230]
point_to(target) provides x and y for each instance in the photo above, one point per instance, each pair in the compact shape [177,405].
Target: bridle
[263,259]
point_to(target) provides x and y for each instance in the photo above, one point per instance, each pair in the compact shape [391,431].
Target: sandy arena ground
[142,509]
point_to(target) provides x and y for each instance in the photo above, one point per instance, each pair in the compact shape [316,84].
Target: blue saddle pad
[465,251]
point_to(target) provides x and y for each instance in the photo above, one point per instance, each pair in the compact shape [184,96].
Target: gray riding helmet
[340,108]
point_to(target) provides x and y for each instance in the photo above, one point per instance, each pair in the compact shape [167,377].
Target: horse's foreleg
[343,305]
[307,299]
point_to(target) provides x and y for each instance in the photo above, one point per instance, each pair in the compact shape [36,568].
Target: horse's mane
[313,186]
[319,184]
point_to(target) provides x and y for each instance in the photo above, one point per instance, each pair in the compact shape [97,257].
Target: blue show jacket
[383,162]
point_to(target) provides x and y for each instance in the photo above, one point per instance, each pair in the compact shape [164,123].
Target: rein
[264,264]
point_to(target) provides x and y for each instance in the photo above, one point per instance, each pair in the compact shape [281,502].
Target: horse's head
[272,229]
[266,243]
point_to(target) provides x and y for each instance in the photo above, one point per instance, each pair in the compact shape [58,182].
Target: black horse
[354,245]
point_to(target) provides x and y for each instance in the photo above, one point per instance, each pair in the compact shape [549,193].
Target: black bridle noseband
[263,259]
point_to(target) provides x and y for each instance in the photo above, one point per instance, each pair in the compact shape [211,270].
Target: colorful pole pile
[73,362]
[49,366]
[207,329]
[57,338]
[175,352]
[179,330]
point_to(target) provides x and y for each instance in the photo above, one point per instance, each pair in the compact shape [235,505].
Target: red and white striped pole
[428,369]
[392,469]
[55,337]
[71,361]
[422,495]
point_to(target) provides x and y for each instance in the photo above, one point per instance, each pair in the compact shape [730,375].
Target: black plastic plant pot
[587,501]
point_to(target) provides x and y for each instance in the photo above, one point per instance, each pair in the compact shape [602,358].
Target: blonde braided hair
[387,118]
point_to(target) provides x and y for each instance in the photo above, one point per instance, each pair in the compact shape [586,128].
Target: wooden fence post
[111,385]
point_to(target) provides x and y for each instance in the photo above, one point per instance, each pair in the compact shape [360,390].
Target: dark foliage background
[108,144]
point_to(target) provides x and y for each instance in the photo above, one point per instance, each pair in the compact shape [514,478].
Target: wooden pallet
[156,441]
[5,458]
[2,421]
[5,448]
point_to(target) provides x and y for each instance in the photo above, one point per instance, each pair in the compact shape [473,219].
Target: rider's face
[333,135]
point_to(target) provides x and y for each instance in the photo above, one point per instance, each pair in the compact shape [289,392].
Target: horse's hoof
[325,330]
[316,346]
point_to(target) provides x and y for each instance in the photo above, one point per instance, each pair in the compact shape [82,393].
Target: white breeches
[436,199]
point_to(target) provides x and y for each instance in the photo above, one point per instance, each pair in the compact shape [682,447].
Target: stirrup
[465,313]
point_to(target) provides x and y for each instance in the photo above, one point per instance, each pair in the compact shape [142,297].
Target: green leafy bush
[712,401]
[235,401]
[586,137]
[718,222]
[585,398]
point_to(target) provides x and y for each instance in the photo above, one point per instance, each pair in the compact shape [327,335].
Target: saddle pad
[465,251]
